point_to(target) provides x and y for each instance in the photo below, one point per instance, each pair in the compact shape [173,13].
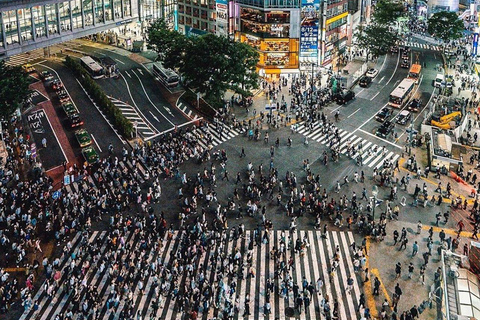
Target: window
[117,7]
[88,12]
[127,8]
[10,21]
[64,11]
[25,19]
[76,14]
[99,12]
[38,13]
[51,18]
[1,36]
[108,10]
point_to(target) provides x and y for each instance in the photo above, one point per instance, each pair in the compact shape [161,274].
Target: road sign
[66,180]
[56,195]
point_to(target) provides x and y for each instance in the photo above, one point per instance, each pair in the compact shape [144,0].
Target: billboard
[309,26]
[222,18]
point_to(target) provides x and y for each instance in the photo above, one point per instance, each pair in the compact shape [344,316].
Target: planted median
[122,124]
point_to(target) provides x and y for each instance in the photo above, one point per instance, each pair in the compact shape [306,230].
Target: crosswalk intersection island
[139,275]
[371,159]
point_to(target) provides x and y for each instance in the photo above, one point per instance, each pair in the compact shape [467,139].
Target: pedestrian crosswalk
[223,268]
[215,134]
[144,128]
[421,45]
[187,111]
[371,154]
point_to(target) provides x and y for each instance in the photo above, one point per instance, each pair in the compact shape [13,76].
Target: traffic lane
[52,155]
[144,103]
[151,88]
[94,122]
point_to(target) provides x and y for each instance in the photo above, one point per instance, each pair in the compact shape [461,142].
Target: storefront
[270,33]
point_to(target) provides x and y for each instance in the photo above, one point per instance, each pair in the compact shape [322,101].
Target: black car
[405,63]
[344,96]
[364,81]
[385,129]
[383,114]
[404,117]
[414,105]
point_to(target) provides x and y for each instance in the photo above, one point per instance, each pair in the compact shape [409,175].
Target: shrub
[124,125]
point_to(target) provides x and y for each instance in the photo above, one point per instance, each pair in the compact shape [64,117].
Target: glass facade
[26,24]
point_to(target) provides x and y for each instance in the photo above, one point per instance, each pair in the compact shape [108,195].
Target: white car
[372,73]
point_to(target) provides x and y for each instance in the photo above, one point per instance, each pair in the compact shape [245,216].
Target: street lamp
[374,193]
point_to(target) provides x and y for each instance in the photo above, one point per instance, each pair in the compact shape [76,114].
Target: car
[74,120]
[344,96]
[69,108]
[83,137]
[385,129]
[403,117]
[414,105]
[90,154]
[364,81]
[383,114]
[56,84]
[406,49]
[63,96]
[46,76]
[372,73]
[28,68]
[405,63]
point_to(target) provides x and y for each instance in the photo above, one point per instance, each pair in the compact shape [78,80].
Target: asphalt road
[101,132]
[138,88]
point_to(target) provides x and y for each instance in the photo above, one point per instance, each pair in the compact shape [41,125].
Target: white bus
[94,69]
[402,93]
[167,76]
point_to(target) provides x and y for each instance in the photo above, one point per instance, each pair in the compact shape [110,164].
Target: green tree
[13,89]
[375,39]
[243,64]
[170,45]
[445,25]
[208,64]
[387,12]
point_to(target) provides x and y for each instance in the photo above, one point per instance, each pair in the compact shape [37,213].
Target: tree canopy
[445,25]
[375,39]
[387,12]
[209,64]
[13,89]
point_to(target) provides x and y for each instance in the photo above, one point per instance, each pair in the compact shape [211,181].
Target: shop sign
[309,27]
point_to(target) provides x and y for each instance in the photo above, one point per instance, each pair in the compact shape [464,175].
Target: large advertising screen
[309,16]
[222,18]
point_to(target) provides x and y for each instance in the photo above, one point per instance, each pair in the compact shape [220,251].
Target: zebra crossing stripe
[312,264]
[383,159]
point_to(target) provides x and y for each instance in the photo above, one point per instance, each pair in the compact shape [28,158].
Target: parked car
[364,81]
[344,96]
[372,73]
[90,155]
[56,84]
[414,105]
[383,114]
[46,76]
[83,137]
[385,129]
[69,108]
[403,117]
[74,120]
[63,96]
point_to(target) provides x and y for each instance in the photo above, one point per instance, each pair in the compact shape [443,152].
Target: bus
[414,72]
[402,93]
[94,69]
[167,76]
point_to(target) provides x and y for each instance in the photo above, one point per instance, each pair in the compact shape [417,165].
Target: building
[26,25]
[196,17]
